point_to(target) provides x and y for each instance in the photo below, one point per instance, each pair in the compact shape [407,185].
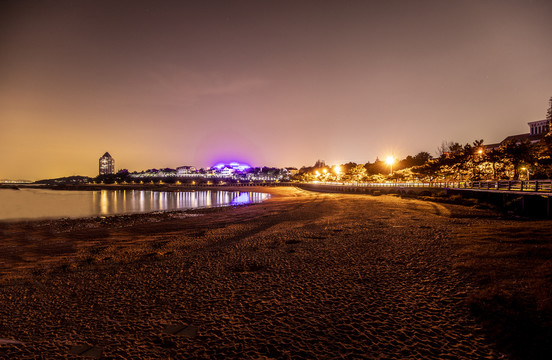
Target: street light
[390,161]
[337,170]
[526,169]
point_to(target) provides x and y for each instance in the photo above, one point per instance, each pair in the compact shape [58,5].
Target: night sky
[275,83]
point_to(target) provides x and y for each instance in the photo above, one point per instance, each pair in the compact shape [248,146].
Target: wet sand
[301,276]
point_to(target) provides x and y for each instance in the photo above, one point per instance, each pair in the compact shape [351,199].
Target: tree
[358,173]
[444,148]
[346,168]
[495,158]
[543,155]
[319,164]
[421,158]
[516,154]
[476,157]
[377,167]
[452,160]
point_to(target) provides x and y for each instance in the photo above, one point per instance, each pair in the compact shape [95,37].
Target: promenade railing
[540,186]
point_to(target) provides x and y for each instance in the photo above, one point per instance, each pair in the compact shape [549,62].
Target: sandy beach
[303,275]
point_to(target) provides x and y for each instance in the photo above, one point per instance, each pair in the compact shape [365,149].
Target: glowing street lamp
[526,169]
[337,170]
[390,161]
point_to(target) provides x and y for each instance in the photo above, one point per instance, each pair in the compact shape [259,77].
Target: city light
[236,166]
[390,160]
[526,169]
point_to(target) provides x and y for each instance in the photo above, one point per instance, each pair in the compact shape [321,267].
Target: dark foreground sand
[301,276]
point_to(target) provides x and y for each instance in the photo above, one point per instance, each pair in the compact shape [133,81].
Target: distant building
[166,173]
[292,171]
[107,164]
[187,171]
[9,181]
[537,130]
[539,127]
[233,170]
[226,172]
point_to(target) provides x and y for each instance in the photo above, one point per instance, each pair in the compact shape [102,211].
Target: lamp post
[477,161]
[337,170]
[390,161]
[526,169]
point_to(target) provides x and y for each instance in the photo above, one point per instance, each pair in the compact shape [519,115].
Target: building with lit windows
[107,164]
[187,171]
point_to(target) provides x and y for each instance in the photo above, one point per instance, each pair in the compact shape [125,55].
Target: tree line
[512,160]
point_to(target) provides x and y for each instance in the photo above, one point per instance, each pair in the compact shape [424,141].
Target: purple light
[236,166]
[241,199]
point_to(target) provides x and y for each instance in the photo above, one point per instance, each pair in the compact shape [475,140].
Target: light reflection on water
[37,203]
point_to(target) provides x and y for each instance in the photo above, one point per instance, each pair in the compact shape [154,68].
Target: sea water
[47,204]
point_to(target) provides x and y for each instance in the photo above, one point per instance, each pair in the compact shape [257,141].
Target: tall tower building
[107,164]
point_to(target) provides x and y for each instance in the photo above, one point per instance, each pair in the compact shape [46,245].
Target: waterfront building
[154,173]
[233,170]
[187,172]
[166,173]
[226,172]
[107,164]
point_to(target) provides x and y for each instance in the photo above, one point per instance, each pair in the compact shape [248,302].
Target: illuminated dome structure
[235,166]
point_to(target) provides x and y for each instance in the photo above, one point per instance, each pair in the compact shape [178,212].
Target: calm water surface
[39,203]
